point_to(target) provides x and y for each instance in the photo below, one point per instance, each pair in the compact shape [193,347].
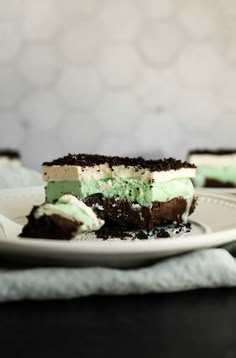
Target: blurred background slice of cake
[13,174]
[10,158]
[215,168]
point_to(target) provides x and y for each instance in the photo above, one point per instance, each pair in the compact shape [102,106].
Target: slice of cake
[130,193]
[9,157]
[65,219]
[215,168]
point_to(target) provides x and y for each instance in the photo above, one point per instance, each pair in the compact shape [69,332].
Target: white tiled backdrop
[151,77]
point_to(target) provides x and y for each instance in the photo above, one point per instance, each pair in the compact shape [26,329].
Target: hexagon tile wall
[147,77]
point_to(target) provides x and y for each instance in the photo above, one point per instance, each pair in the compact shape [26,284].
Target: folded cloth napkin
[200,269]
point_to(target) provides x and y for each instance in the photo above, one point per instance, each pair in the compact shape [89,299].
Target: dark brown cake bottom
[131,216]
[49,227]
[119,215]
[213,183]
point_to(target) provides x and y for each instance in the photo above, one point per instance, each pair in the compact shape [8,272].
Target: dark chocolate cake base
[49,227]
[132,216]
[120,216]
[213,183]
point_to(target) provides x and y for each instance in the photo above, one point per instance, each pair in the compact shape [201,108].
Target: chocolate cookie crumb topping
[10,153]
[89,160]
[213,151]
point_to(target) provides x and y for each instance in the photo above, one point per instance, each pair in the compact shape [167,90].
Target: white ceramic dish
[214,224]
[222,190]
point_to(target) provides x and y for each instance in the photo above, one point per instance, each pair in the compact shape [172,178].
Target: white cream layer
[76,210]
[213,160]
[72,172]
[6,161]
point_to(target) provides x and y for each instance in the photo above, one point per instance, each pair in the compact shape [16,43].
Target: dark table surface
[189,324]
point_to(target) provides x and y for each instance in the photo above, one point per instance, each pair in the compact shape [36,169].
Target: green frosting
[56,189]
[132,189]
[222,174]
[79,212]
[70,206]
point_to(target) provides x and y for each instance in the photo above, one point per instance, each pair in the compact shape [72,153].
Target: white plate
[214,224]
[222,190]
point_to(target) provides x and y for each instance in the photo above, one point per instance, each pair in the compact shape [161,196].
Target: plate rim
[122,246]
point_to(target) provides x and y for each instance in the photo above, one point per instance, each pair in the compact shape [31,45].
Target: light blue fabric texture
[209,268]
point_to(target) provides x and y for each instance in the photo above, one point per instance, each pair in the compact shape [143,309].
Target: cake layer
[119,215]
[124,214]
[220,174]
[134,191]
[131,189]
[215,168]
[219,152]
[103,171]
[87,167]
[5,161]
[133,181]
[65,219]
[10,157]
[50,227]
[9,153]
[214,160]
[91,160]
[71,208]
[214,183]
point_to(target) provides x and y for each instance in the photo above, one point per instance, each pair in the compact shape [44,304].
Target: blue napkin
[209,268]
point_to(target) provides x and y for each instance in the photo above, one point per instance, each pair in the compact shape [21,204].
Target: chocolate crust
[213,183]
[119,213]
[163,213]
[139,162]
[10,153]
[49,227]
[212,151]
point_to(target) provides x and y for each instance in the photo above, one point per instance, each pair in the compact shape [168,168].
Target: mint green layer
[218,173]
[78,212]
[70,206]
[132,189]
